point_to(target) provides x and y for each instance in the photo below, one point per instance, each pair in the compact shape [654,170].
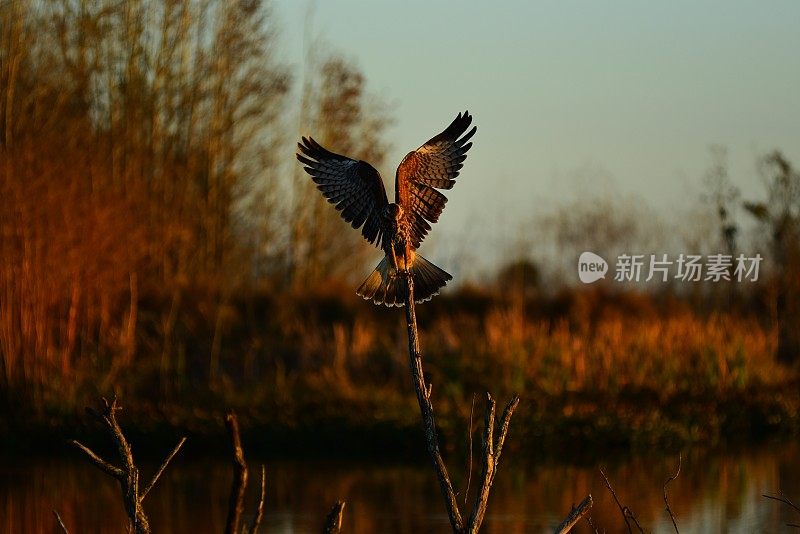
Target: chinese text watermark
[663,267]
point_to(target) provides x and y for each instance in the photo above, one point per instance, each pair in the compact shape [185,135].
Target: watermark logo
[591,267]
[662,268]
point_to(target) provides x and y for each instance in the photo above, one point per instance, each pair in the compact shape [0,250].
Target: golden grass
[301,361]
[681,352]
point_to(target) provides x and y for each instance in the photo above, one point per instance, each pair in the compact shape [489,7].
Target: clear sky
[573,97]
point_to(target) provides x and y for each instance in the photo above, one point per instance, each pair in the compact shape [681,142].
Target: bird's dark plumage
[357,191]
[354,187]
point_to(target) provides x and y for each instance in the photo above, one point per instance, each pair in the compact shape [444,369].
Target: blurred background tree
[779,216]
[144,150]
[346,120]
[723,197]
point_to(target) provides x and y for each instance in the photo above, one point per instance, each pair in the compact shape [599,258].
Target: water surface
[714,493]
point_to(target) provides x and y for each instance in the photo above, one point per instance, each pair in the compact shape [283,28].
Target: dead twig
[260,506]
[164,464]
[60,523]
[505,423]
[426,409]
[627,513]
[782,498]
[239,485]
[575,515]
[487,470]
[666,501]
[492,446]
[616,500]
[109,469]
[469,466]
[333,521]
[633,518]
[128,474]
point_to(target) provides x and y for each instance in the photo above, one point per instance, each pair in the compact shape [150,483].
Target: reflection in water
[714,493]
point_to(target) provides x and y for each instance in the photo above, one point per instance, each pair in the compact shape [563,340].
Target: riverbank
[328,374]
[571,427]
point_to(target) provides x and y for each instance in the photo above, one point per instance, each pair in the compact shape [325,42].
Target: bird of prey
[357,191]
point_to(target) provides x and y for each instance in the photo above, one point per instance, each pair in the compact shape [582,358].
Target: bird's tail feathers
[386,286]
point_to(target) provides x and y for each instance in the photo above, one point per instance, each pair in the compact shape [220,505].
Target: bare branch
[488,430]
[505,422]
[333,521]
[784,499]
[239,485]
[60,523]
[106,467]
[575,515]
[469,466]
[666,501]
[164,464]
[632,517]
[426,409]
[622,509]
[487,470]
[491,447]
[128,474]
[260,507]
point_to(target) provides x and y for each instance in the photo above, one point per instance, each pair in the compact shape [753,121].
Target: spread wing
[434,165]
[354,187]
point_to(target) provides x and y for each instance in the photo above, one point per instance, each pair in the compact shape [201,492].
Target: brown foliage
[133,134]
[341,116]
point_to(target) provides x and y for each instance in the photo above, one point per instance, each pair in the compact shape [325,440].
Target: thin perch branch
[128,474]
[624,510]
[164,464]
[492,446]
[239,485]
[505,422]
[60,522]
[785,500]
[574,515]
[260,507]
[487,469]
[469,466]
[666,501]
[101,464]
[333,521]
[426,409]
